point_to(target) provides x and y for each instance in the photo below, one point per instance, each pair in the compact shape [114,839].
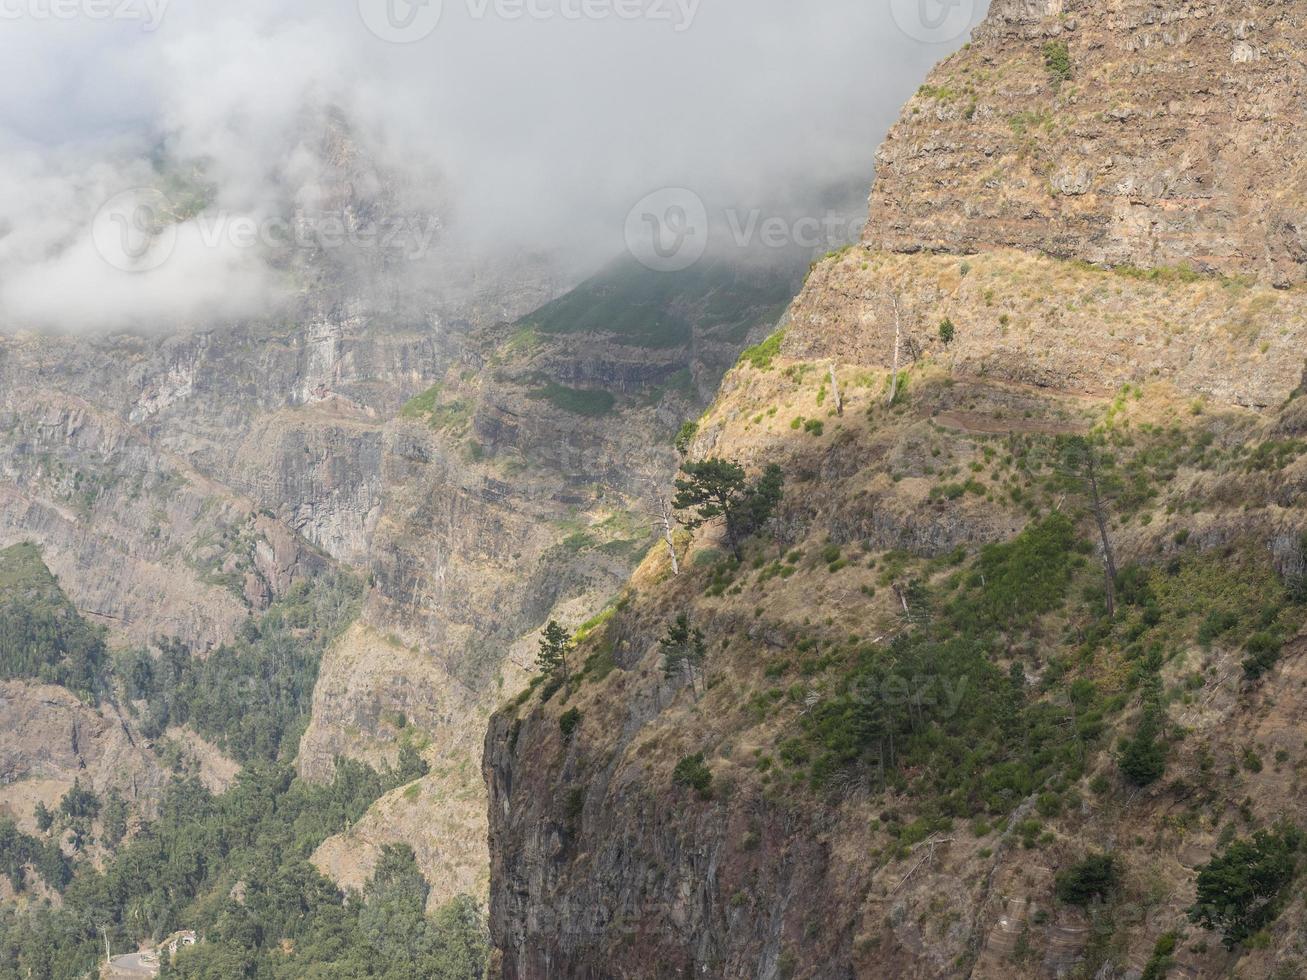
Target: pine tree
[684,652]
[552,658]
[716,490]
[1143,760]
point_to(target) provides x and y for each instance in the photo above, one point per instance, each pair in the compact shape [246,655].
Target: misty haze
[549,489]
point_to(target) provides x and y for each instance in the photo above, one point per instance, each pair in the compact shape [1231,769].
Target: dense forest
[234,867]
[41,635]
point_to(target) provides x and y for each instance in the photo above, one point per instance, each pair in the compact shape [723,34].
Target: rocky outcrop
[604,864]
[1124,133]
[1028,319]
[49,738]
[141,541]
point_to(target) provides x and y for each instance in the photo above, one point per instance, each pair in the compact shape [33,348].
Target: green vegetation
[1160,963]
[1143,758]
[19,850]
[251,696]
[933,715]
[1095,877]
[1243,889]
[234,867]
[947,331]
[684,436]
[760,356]
[642,308]
[569,721]
[1263,653]
[590,402]
[716,490]
[440,415]
[694,773]
[179,872]
[1057,59]
[41,635]
[555,644]
[684,652]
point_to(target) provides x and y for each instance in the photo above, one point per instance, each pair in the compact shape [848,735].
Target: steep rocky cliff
[919,716]
[515,488]
[483,471]
[1125,133]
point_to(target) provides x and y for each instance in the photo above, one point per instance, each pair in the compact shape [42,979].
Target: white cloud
[525,133]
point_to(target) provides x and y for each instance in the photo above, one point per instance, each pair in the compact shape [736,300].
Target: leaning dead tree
[1091,473]
[898,345]
[664,522]
[835,390]
[1099,508]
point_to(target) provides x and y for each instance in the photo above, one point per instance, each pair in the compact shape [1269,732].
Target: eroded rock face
[499,510]
[142,542]
[603,864]
[1171,137]
[1171,142]
[49,738]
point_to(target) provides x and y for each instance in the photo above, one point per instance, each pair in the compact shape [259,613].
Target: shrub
[569,721]
[685,435]
[1162,959]
[762,355]
[947,331]
[1143,760]
[695,774]
[1095,877]
[1263,652]
[1057,59]
[1217,623]
[1241,891]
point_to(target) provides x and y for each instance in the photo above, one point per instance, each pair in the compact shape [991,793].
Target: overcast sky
[544,120]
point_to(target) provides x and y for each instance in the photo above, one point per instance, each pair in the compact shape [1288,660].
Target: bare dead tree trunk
[666,522]
[1100,518]
[902,594]
[898,342]
[835,390]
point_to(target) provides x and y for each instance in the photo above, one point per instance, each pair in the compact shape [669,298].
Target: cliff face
[891,759]
[1126,133]
[483,473]
[514,489]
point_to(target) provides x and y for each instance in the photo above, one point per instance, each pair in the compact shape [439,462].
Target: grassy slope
[815,669]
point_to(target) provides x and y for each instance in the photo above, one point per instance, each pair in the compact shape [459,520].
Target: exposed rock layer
[1169,135]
